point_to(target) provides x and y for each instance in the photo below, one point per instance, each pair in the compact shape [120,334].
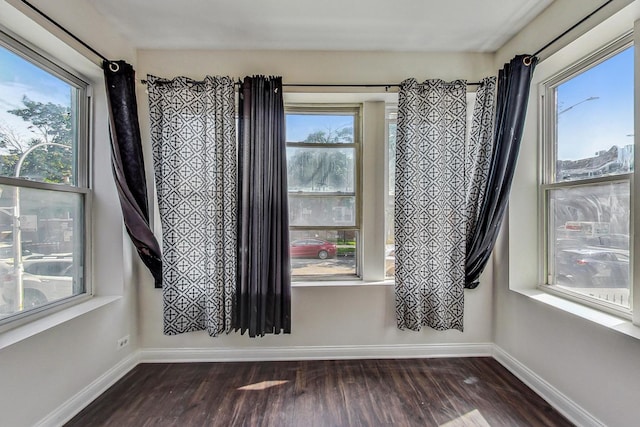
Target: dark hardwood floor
[412,392]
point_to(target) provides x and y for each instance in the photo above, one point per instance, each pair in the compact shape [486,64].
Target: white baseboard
[176,355]
[567,407]
[77,403]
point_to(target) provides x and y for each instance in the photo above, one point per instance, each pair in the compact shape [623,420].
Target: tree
[50,123]
[338,136]
[313,169]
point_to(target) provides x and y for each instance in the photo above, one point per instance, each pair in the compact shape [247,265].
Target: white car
[54,275]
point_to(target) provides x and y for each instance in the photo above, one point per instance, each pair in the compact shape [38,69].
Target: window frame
[547,173]
[82,128]
[348,109]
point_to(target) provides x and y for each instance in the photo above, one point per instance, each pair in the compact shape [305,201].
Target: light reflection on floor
[263,385]
[470,419]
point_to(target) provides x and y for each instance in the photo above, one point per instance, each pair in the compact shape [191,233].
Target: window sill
[340,283]
[618,324]
[27,330]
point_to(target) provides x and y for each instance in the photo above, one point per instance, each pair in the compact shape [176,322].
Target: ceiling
[369,25]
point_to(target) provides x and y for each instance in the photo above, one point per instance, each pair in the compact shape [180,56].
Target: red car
[312,248]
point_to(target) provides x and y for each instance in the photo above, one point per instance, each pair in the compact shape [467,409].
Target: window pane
[321,169]
[594,116]
[323,252]
[322,211]
[590,241]
[390,253]
[320,128]
[37,122]
[48,257]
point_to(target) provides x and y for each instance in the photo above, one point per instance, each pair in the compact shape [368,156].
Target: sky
[299,126]
[585,127]
[19,77]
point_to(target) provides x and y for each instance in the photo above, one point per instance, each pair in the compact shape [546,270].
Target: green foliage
[51,123]
[318,169]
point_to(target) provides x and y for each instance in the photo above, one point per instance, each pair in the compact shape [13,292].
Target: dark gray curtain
[263,296]
[128,163]
[514,82]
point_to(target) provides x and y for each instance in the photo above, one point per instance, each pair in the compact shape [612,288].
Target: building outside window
[588,166]
[323,164]
[43,182]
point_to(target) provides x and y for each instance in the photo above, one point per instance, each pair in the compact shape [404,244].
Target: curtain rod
[104,58]
[387,86]
[573,27]
[67,32]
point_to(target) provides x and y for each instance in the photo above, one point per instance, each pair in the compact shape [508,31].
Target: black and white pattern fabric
[479,150]
[194,154]
[430,220]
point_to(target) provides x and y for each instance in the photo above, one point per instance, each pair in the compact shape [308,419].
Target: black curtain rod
[387,86]
[67,32]
[573,27]
[104,58]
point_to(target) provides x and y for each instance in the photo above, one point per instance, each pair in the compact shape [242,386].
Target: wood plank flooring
[414,392]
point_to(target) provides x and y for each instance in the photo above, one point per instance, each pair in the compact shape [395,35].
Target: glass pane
[41,260]
[590,241]
[323,252]
[320,128]
[38,117]
[322,211]
[595,121]
[390,253]
[321,169]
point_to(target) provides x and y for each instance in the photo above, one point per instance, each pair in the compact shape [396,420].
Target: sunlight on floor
[263,385]
[470,419]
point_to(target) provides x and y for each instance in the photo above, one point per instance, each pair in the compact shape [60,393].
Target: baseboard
[555,398]
[567,407]
[77,403]
[176,355]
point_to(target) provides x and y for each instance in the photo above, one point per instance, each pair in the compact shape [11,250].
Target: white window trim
[547,160]
[19,324]
[521,246]
[373,160]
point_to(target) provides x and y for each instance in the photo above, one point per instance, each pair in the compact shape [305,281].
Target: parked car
[312,248]
[54,273]
[593,267]
[6,253]
[33,296]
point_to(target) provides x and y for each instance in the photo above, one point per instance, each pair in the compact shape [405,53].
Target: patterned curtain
[194,153]
[479,149]
[430,218]
[128,163]
[264,284]
[440,184]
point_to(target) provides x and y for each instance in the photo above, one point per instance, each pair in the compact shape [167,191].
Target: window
[324,199]
[588,165]
[43,182]
[390,252]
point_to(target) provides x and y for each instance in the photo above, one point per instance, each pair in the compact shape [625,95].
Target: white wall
[42,372]
[592,365]
[322,317]
[595,367]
